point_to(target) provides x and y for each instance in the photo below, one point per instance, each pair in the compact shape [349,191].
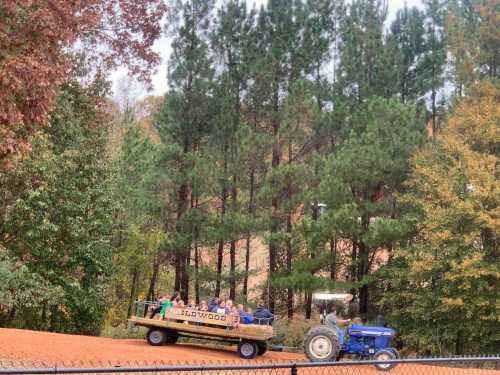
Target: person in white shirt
[222,308]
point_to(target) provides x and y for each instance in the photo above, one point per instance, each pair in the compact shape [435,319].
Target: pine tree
[435,57]
[368,63]
[283,36]
[360,180]
[407,30]
[228,42]
[473,39]
[138,221]
[278,43]
[184,120]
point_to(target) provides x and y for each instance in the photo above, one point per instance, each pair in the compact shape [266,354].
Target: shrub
[291,332]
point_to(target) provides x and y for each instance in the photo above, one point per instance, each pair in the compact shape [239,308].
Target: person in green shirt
[332,321]
[166,303]
[160,306]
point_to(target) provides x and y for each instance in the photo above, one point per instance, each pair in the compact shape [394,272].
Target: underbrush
[290,332]
[123,331]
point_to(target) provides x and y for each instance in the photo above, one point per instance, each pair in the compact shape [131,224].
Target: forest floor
[23,348]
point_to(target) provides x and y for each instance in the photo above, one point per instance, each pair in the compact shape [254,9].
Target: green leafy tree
[138,223]
[442,286]
[59,228]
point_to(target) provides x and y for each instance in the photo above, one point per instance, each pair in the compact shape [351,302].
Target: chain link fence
[489,365]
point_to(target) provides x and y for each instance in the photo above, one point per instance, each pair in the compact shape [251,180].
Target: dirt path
[23,348]
[55,348]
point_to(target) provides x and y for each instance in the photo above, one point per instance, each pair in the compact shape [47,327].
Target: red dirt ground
[55,348]
[23,348]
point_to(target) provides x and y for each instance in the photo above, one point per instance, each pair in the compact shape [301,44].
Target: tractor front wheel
[321,344]
[384,355]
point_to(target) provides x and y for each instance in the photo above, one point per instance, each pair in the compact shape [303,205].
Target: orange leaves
[35,38]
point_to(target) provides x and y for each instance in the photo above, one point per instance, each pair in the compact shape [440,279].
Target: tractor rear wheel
[384,355]
[156,336]
[321,344]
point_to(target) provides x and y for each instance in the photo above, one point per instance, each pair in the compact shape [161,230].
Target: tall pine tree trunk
[275,219]
[196,273]
[185,276]
[247,268]
[220,259]
[154,277]
[289,255]
[182,206]
[232,246]
[333,259]
[232,271]
[289,250]
[194,204]
[353,269]
[248,239]
[363,271]
[177,275]
[308,301]
[133,291]
[182,254]
[220,250]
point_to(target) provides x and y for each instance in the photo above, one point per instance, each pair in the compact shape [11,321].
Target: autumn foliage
[444,285]
[37,40]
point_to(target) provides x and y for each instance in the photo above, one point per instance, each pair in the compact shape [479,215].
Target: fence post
[293,369]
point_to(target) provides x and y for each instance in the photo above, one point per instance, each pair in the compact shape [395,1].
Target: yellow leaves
[457,176]
[452,302]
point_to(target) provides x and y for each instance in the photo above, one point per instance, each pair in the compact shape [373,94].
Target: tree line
[362,154]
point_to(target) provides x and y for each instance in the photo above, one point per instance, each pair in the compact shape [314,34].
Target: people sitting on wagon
[262,315]
[175,297]
[235,314]
[159,306]
[245,316]
[213,304]
[222,308]
[229,306]
[203,306]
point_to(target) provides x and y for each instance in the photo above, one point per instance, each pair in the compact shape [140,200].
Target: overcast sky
[163,47]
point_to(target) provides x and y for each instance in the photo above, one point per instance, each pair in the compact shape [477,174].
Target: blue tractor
[324,343]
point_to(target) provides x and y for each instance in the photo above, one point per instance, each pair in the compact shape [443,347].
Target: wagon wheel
[156,336]
[247,349]
[171,337]
[261,348]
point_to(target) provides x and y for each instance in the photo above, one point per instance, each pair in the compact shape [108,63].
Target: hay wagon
[167,328]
